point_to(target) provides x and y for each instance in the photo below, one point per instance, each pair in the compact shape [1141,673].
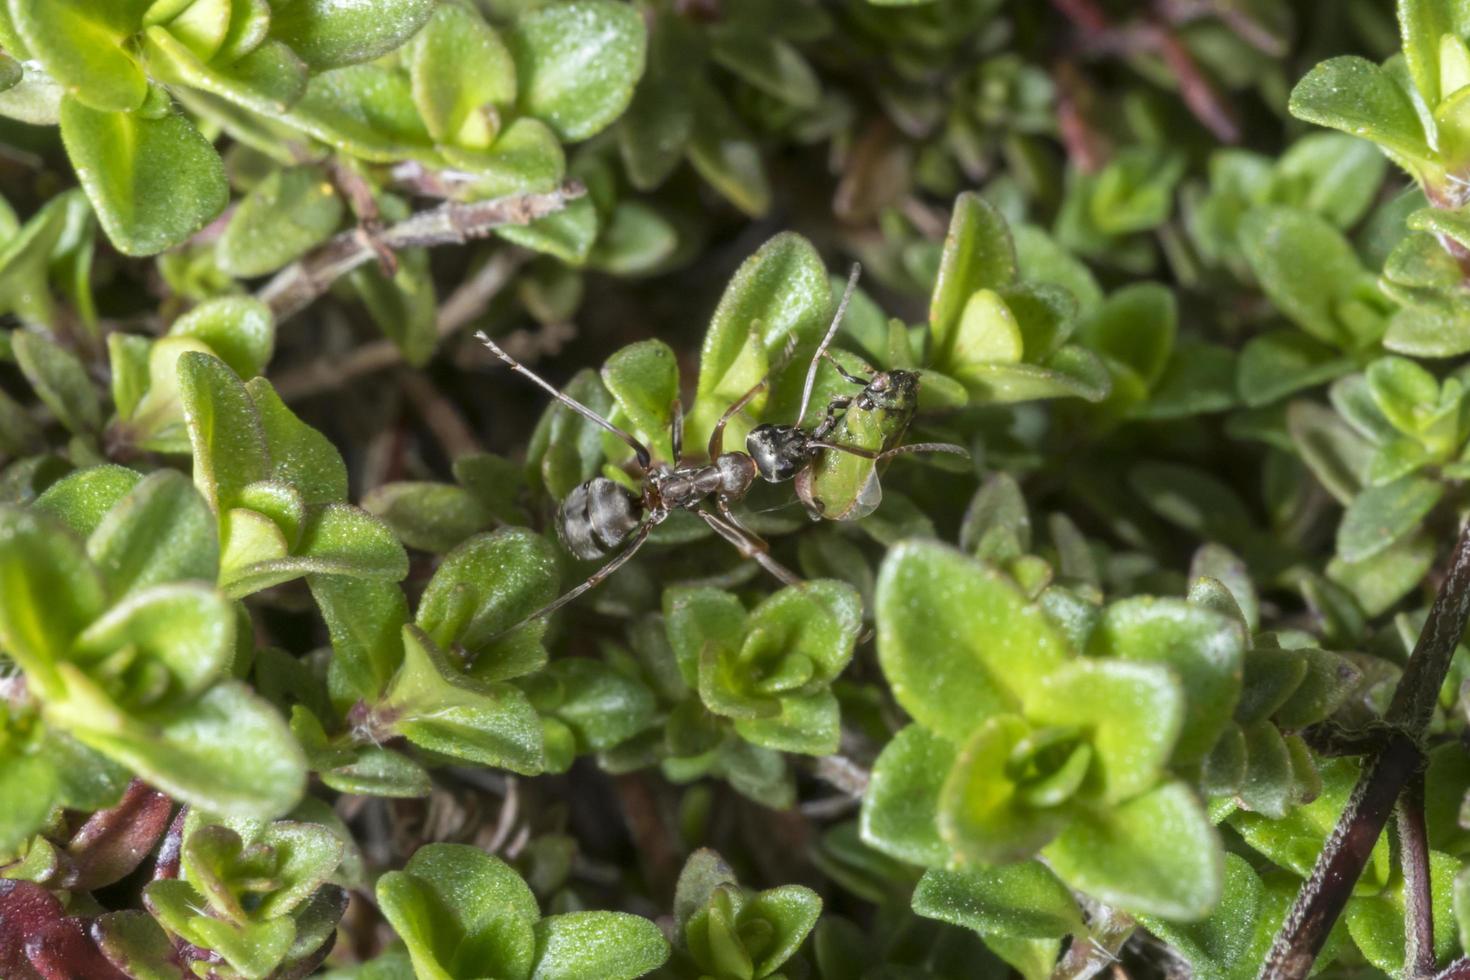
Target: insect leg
[913,447]
[811,371]
[635,541]
[829,422]
[645,458]
[676,430]
[748,543]
[717,434]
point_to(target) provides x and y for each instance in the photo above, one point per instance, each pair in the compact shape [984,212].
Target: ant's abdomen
[596,517]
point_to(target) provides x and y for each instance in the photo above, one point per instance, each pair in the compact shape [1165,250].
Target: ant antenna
[645,458]
[811,372]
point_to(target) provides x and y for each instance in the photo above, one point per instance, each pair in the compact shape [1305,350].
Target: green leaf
[703,873]
[485,586]
[1376,924]
[1356,96]
[454,905]
[365,110]
[299,455]
[1281,362]
[1380,516]
[432,517]
[135,941]
[901,803]
[554,49]
[49,592]
[1233,941]
[340,539]
[281,219]
[186,632]
[957,640]
[1203,648]
[83,46]
[1021,900]
[597,946]
[1406,394]
[987,332]
[28,784]
[227,752]
[239,329]
[779,292]
[252,948]
[224,429]
[325,34]
[809,725]
[644,378]
[602,706]
[724,152]
[365,619]
[1422,24]
[984,812]
[1333,175]
[59,379]
[152,179]
[978,254]
[568,234]
[459,66]
[1131,714]
[1072,372]
[791,911]
[1295,840]
[769,64]
[1156,855]
[445,711]
[1135,326]
[1307,268]
[268,80]
[80,499]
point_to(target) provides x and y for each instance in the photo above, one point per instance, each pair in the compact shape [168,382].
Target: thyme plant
[1091,597]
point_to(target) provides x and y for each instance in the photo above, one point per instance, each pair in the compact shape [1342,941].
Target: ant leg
[846,374]
[617,561]
[645,458]
[811,371]
[926,447]
[829,422]
[748,544]
[676,430]
[717,434]
[913,447]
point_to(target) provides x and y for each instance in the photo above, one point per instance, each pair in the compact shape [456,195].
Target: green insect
[841,481]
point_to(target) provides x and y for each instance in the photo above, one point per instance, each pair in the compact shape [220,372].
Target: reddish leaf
[61,950]
[114,841]
[167,863]
[25,908]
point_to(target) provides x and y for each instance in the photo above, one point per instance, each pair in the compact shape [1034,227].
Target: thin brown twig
[452,223]
[327,373]
[1324,895]
[1418,904]
[1458,970]
[449,427]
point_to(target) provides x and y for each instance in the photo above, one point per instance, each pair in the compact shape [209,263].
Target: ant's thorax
[668,488]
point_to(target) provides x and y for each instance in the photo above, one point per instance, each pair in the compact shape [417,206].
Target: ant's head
[779,451]
[890,390]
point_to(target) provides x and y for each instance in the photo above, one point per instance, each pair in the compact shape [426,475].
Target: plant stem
[1418,904]
[329,371]
[1325,893]
[454,223]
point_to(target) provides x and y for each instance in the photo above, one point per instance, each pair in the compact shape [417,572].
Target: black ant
[601,515]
